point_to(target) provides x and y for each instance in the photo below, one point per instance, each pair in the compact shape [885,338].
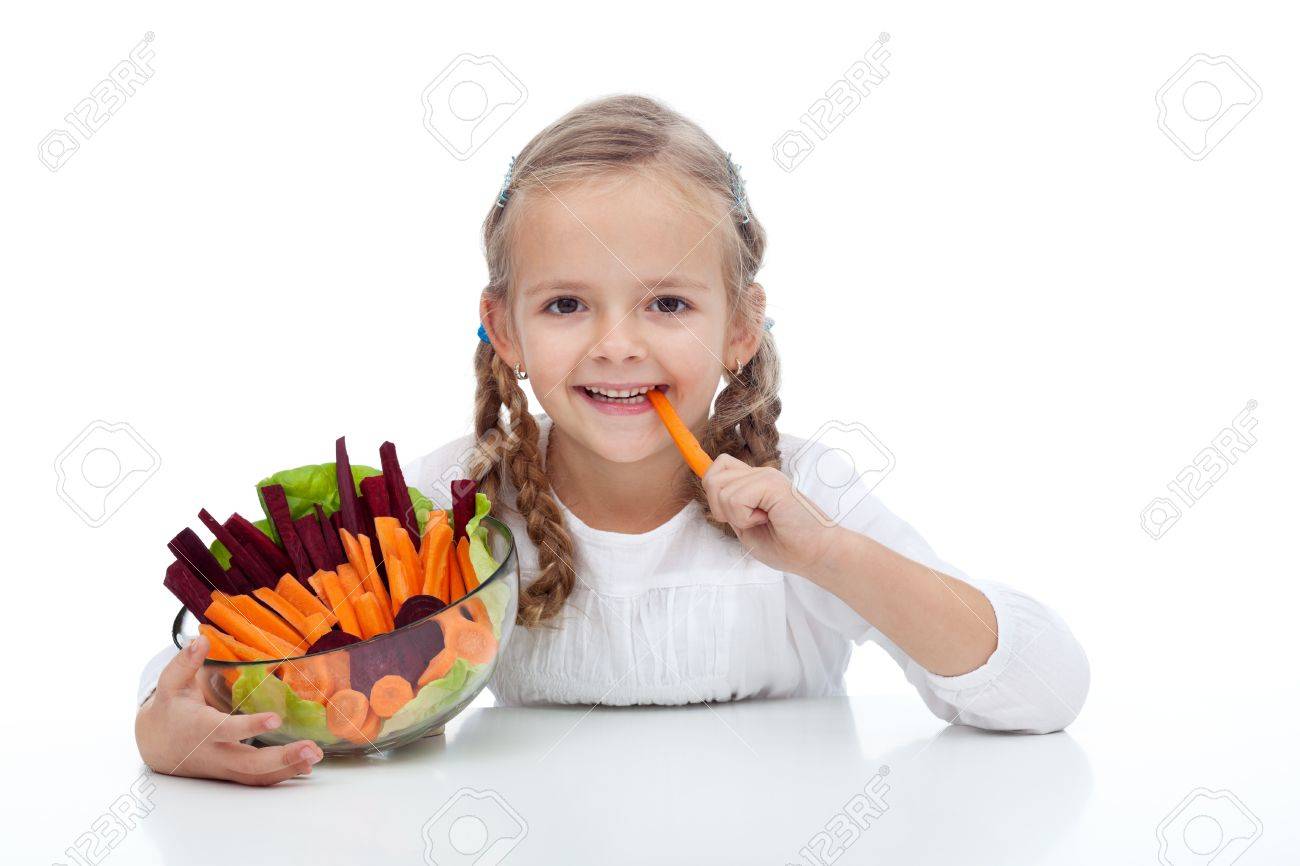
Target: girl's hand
[769,518]
[179,734]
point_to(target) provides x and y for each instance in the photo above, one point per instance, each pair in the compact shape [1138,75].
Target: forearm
[946,625]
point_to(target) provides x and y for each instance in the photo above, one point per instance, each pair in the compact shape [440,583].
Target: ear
[748,333]
[494,316]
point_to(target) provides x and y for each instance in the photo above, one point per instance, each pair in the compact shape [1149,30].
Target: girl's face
[618,290]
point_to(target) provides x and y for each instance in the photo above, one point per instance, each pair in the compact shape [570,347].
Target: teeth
[623,393]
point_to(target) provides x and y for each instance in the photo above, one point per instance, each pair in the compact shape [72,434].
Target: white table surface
[749,782]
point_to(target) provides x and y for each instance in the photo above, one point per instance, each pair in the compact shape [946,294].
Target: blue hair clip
[505,187]
[768,323]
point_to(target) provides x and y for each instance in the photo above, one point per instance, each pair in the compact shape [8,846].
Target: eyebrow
[671,281]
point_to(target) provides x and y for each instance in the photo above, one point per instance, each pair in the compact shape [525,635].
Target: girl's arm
[946,625]
[979,652]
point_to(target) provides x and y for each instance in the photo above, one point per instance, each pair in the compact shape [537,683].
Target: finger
[180,671]
[743,497]
[302,768]
[723,467]
[252,761]
[231,728]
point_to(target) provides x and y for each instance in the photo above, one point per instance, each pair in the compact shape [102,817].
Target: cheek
[694,368]
[549,357]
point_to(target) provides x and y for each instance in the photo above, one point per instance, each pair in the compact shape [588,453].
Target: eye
[670,305]
[564,306]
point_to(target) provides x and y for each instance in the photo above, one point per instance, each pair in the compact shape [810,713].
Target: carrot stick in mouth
[681,435]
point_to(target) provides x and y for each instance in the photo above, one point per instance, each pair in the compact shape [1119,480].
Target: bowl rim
[496,576]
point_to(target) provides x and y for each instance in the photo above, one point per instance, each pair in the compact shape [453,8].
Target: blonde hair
[605,139]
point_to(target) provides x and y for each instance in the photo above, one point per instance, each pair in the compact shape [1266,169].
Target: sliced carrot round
[472,641]
[346,712]
[477,610]
[308,677]
[438,667]
[389,694]
[369,729]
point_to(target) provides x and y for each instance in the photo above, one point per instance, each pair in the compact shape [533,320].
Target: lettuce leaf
[307,485]
[496,598]
[479,555]
[256,691]
[304,719]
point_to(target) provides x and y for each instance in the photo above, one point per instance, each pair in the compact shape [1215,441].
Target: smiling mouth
[626,396]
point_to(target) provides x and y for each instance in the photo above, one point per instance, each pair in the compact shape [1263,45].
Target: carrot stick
[681,435]
[455,581]
[397,583]
[384,527]
[217,639]
[316,586]
[352,549]
[410,559]
[305,600]
[389,694]
[371,579]
[395,543]
[263,618]
[467,573]
[436,519]
[317,627]
[220,651]
[351,582]
[281,605]
[339,602]
[242,651]
[370,617]
[434,554]
[238,626]
[346,712]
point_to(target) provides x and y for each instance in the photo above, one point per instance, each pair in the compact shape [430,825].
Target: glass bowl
[300,690]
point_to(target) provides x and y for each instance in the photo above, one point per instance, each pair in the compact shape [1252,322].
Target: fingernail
[193,647]
[271,723]
[309,754]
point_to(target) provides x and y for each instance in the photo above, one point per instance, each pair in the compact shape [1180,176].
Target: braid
[744,419]
[545,596]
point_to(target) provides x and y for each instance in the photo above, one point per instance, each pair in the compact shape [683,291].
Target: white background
[997,262]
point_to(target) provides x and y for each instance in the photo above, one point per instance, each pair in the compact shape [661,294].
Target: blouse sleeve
[152,670]
[1035,681]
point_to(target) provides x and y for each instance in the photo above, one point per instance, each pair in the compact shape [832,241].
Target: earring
[740,365]
[520,374]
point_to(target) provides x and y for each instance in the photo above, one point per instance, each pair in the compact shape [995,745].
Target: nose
[622,339]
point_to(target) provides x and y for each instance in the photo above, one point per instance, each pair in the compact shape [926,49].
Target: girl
[621,255]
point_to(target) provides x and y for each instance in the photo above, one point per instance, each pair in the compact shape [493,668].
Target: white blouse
[683,614]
